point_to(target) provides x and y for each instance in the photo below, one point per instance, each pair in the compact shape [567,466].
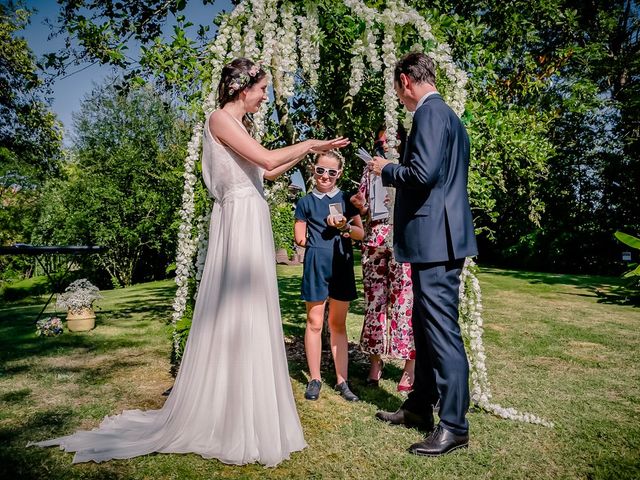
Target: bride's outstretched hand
[326,145]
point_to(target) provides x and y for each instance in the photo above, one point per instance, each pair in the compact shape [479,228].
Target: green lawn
[557,346]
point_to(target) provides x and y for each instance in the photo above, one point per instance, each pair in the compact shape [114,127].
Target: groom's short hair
[418,67]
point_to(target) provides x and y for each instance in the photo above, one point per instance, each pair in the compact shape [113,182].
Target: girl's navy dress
[328,259]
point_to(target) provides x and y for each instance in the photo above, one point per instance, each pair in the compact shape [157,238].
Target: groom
[433,230]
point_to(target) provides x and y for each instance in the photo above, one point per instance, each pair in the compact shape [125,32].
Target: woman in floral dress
[386,330]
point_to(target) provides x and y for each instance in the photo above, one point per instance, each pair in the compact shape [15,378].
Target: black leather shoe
[406,418]
[439,442]
[313,390]
[346,393]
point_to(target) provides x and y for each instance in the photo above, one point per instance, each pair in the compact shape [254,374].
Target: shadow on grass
[17,332]
[19,343]
[19,461]
[15,396]
[358,372]
[609,290]
[294,317]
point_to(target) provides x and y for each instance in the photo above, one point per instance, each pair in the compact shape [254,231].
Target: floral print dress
[388,295]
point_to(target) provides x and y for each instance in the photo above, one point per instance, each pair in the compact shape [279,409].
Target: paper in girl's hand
[364,155]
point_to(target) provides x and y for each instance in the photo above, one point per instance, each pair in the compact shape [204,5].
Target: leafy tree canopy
[123,184]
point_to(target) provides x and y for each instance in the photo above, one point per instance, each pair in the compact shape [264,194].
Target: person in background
[388,295]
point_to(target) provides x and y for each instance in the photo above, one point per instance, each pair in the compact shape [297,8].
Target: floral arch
[284,35]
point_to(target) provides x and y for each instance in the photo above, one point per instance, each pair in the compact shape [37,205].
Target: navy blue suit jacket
[432,217]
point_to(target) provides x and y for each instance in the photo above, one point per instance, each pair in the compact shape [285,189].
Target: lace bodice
[225,172]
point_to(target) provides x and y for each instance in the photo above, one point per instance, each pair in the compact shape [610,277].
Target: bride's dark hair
[237,75]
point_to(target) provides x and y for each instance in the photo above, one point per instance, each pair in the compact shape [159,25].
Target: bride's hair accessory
[244,79]
[253,71]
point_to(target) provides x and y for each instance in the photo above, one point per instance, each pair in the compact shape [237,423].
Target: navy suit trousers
[441,370]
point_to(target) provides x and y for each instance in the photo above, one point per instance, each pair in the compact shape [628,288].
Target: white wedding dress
[232,398]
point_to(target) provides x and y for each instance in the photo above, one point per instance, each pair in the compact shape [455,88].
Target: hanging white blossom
[472,330]
[202,243]
[255,23]
[186,243]
[309,44]
[358,7]
[221,50]
[371,49]
[389,60]
[357,68]
[268,47]
[286,63]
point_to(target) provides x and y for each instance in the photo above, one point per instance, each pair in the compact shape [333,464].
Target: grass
[29,287]
[557,346]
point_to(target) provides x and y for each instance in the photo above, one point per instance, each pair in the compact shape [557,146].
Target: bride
[232,398]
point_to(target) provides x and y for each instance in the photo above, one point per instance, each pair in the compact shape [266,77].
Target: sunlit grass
[554,348]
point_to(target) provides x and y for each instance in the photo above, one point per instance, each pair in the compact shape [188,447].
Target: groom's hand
[377,164]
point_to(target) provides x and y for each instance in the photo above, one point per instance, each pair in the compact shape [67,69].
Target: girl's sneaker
[313,390]
[346,393]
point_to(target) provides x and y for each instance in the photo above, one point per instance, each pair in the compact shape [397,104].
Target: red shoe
[405,388]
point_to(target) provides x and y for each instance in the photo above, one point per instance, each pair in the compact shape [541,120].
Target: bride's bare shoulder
[219,119]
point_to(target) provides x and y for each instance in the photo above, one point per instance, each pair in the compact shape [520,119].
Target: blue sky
[68,92]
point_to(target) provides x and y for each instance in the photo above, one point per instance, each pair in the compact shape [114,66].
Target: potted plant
[78,299]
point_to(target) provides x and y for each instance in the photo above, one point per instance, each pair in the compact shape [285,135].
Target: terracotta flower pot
[81,320]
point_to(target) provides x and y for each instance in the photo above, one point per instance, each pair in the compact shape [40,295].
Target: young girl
[328,269]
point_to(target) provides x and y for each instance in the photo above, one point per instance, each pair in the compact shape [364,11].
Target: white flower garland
[203,244]
[279,56]
[286,62]
[363,47]
[222,51]
[389,60]
[357,67]
[471,326]
[309,43]
[371,49]
[186,243]
[268,46]
[255,22]
[399,13]
[442,55]
[228,43]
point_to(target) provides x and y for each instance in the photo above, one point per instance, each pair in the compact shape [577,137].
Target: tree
[542,74]
[102,31]
[574,65]
[30,136]
[123,185]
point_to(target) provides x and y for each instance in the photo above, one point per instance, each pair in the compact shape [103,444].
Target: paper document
[364,155]
[377,196]
[377,192]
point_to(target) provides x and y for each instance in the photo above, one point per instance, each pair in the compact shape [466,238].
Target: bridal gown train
[232,398]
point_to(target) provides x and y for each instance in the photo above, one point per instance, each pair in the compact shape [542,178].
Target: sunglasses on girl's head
[330,171]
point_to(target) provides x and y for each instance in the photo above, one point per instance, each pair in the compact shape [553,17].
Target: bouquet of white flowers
[79,295]
[49,327]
